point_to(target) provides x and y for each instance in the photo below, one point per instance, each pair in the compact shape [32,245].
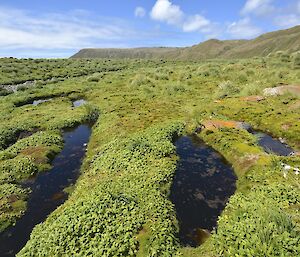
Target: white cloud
[286,21]
[288,16]
[284,16]
[164,10]
[139,12]
[20,29]
[196,23]
[243,29]
[258,7]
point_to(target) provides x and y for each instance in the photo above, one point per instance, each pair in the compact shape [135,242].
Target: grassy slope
[120,205]
[283,40]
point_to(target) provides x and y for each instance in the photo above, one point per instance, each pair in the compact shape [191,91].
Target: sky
[59,28]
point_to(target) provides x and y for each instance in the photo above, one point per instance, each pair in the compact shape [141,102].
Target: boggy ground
[120,204]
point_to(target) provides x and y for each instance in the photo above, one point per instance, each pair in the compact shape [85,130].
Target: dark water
[79,102]
[47,190]
[272,145]
[202,185]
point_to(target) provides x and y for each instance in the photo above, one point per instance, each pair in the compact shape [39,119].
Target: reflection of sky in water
[202,185]
[76,103]
[79,102]
[37,102]
[271,145]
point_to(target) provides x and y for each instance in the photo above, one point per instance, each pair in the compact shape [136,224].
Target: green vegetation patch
[12,204]
[259,228]
[105,220]
[262,218]
[120,205]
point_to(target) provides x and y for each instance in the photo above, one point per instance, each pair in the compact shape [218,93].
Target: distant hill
[282,40]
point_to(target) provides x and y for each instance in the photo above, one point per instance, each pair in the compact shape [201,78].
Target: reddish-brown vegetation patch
[217,124]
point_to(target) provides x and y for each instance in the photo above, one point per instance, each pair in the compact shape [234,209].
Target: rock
[14,88]
[271,91]
[281,90]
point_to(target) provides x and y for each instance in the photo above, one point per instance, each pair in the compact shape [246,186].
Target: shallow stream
[47,190]
[272,145]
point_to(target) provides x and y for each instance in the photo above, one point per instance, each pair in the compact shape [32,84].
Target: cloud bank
[22,29]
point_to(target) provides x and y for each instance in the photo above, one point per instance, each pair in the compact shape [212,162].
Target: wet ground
[47,190]
[202,185]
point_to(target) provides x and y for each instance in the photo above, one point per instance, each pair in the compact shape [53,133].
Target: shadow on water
[202,185]
[47,190]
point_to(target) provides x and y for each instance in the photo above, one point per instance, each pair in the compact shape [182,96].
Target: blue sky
[59,28]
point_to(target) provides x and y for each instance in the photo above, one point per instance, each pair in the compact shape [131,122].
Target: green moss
[129,192]
[257,228]
[130,163]
[12,204]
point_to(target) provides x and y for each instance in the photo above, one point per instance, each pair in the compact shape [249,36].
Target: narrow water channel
[272,145]
[47,190]
[37,102]
[202,185]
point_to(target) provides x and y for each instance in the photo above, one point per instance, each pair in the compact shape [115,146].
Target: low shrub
[258,228]
[226,89]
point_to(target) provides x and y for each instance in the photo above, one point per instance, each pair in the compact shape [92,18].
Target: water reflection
[47,190]
[202,185]
[79,103]
[272,145]
[37,102]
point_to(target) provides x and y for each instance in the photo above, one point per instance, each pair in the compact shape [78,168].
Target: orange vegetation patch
[217,124]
